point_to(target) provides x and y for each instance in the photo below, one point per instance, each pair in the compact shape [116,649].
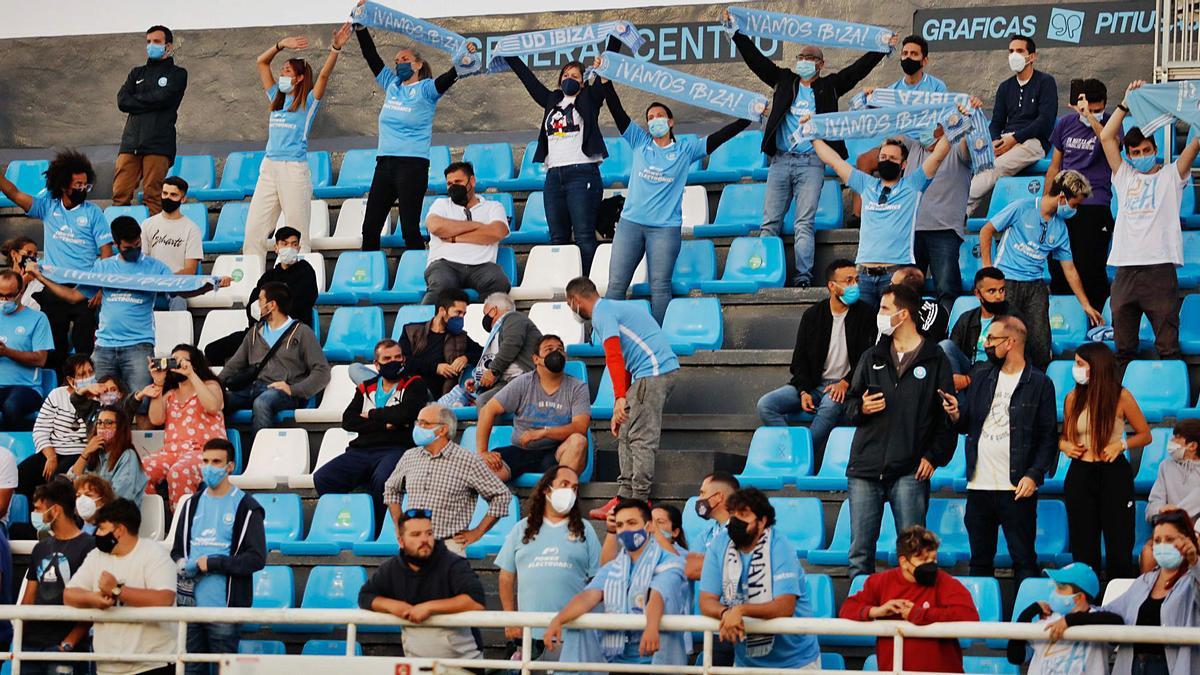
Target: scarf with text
[809,30]
[375,15]
[758,589]
[680,86]
[554,39]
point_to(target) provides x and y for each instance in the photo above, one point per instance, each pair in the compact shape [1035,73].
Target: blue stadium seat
[1056,477]
[985,591]
[989,665]
[694,323]
[752,263]
[1145,330]
[1051,537]
[602,407]
[491,542]
[802,521]
[409,285]
[535,229]
[493,163]
[274,588]
[1189,274]
[739,212]
[829,210]
[1189,325]
[29,175]
[962,305]
[1059,373]
[1068,323]
[736,159]
[47,380]
[240,175]
[138,213]
[820,596]
[339,522]
[320,168]
[200,172]
[353,332]
[329,648]
[697,262]
[230,232]
[262,647]
[198,214]
[411,314]
[1008,190]
[945,517]
[530,176]
[18,509]
[283,520]
[969,260]
[832,661]
[1033,589]
[357,276]
[856,585]
[838,551]
[354,177]
[953,476]
[615,168]
[832,473]
[777,455]
[439,159]
[500,437]
[385,544]
[1160,387]
[19,443]
[1152,455]
[328,587]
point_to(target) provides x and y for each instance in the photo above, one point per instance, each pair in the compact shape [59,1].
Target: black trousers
[1099,498]
[987,512]
[1091,233]
[401,180]
[29,472]
[73,326]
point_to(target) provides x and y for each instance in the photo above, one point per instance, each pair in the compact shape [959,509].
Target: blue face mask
[38,520]
[571,86]
[1061,604]
[1066,211]
[422,436]
[155,51]
[82,382]
[659,127]
[404,71]
[1143,164]
[8,306]
[806,69]
[633,540]
[455,325]
[212,475]
[285,84]
[850,295]
[1167,556]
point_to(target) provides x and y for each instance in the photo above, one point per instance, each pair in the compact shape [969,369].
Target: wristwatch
[116,591]
[65,646]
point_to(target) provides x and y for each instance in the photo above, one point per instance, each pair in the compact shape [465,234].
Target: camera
[26,259]
[164,364]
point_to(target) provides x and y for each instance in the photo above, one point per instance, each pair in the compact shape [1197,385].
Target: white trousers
[1009,164]
[282,187]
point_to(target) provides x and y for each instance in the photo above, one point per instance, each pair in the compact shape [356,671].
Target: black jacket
[827,89]
[390,426]
[813,337]
[249,553]
[446,575]
[965,334]
[1033,421]
[301,280]
[151,96]
[891,443]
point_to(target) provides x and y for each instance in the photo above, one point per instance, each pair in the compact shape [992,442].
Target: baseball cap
[1079,575]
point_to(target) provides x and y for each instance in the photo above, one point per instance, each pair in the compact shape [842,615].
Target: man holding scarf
[643,579]
[752,571]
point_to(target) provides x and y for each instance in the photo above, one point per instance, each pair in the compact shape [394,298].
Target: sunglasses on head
[419,513]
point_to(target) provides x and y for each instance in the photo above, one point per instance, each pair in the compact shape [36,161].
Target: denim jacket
[1033,421]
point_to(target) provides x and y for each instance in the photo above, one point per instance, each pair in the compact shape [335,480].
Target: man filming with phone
[903,433]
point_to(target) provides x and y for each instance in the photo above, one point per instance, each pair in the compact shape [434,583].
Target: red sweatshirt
[946,600]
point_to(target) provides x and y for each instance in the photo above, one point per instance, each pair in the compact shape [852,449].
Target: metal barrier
[352,619]
[1177,40]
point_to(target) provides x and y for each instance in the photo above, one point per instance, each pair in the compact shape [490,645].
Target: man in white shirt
[172,238]
[464,237]
[125,570]
[1147,243]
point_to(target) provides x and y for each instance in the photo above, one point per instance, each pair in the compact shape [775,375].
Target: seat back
[533,219]
[985,591]
[353,333]
[358,167]
[800,520]
[231,222]
[529,169]
[154,517]
[1153,455]
[837,453]
[741,154]
[274,588]
[757,259]
[1059,373]
[500,437]
[1115,589]
[493,162]
[1160,387]
[820,595]
[241,170]
[1033,589]
[170,329]
[221,322]
[198,214]
[318,222]
[350,218]
[439,159]
[548,269]
[410,272]
[337,395]
[333,443]
[695,206]
[1010,189]
[697,262]
[616,167]
[829,207]
[603,260]
[946,517]
[137,212]
[741,204]
[328,648]
[970,259]
[278,453]
[262,647]
[962,305]
[697,322]
[29,175]
[783,452]
[283,517]
[320,168]
[411,314]
[343,520]
[244,270]
[556,318]
[333,587]
[200,171]
[359,272]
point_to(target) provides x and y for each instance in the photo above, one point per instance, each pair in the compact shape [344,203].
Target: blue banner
[554,39]
[974,126]
[869,123]
[680,86]
[900,98]
[375,15]
[1153,106]
[810,30]
[150,283]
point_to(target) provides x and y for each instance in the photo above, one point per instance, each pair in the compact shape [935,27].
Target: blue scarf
[809,30]
[149,283]
[533,42]
[1153,106]
[871,122]
[680,86]
[956,126]
[375,15]
[627,588]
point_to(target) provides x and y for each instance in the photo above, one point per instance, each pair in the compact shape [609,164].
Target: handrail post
[180,646]
[898,650]
[526,649]
[351,638]
[18,639]
[707,656]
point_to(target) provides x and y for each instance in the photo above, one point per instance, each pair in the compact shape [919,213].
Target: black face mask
[106,542]
[555,362]
[889,170]
[457,193]
[170,205]
[739,533]
[992,357]
[926,573]
[910,66]
[488,322]
[392,370]
[571,86]
[998,308]
[131,254]
[78,197]
[703,509]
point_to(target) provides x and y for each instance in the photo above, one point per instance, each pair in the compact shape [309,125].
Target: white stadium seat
[1116,588]
[170,329]
[556,318]
[600,267]
[547,271]
[333,443]
[148,442]
[221,322]
[347,233]
[154,517]
[318,221]
[473,320]
[333,402]
[695,208]
[318,264]
[245,271]
[275,455]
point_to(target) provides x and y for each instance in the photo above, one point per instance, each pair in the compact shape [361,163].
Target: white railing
[352,619]
[1177,39]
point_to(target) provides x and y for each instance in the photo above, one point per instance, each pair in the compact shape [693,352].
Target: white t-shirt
[147,566]
[172,242]
[486,211]
[1147,231]
[8,473]
[1068,656]
[837,359]
[564,136]
[992,463]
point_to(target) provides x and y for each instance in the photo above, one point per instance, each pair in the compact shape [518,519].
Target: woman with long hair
[668,520]
[1099,482]
[187,401]
[284,181]
[550,554]
[109,454]
[17,252]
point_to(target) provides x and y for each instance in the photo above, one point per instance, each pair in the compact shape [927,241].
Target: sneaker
[602,512]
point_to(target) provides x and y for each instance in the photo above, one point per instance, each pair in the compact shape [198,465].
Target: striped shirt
[58,426]
[448,483]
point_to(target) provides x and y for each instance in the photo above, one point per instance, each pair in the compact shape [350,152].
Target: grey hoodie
[299,362]
[1178,483]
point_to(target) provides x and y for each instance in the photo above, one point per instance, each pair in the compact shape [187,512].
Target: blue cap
[1079,575]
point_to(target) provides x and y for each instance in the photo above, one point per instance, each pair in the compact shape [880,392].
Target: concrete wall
[62,91]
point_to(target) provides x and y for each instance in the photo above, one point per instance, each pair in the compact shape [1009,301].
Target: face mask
[1080,374]
[404,71]
[571,86]
[455,325]
[883,323]
[8,306]
[850,295]
[1016,62]
[992,357]
[85,506]
[1066,211]
[739,533]
[889,170]
[910,66]
[38,520]
[1176,451]
[106,434]
[110,398]
[213,475]
[170,205]
[562,499]
[997,308]
[806,69]
[155,51]
[131,255]
[1167,556]
[287,255]
[703,509]
[285,84]
[633,540]
[81,382]
[555,362]
[392,371]
[659,127]
[1143,164]
[78,196]
[106,542]
[925,574]
[488,322]
[423,437]
[457,193]
[1061,604]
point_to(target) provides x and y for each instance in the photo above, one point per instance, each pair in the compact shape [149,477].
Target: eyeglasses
[419,513]
[884,194]
[994,339]
[106,423]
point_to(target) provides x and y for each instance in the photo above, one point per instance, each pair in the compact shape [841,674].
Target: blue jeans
[660,245]
[937,251]
[572,196]
[264,401]
[960,363]
[871,286]
[210,638]
[16,402]
[794,179]
[127,364]
[775,406]
[909,499]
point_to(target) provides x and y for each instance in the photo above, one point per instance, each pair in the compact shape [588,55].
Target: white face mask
[85,506]
[883,322]
[1176,451]
[1080,373]
[1016,62]
[562,499]
[285,84]
[288,255]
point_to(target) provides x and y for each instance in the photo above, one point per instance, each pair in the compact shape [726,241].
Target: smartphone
[873,389]
[165,363]
[25,260]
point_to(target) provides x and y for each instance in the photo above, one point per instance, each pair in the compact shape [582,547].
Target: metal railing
[352,619]
[1177,40]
